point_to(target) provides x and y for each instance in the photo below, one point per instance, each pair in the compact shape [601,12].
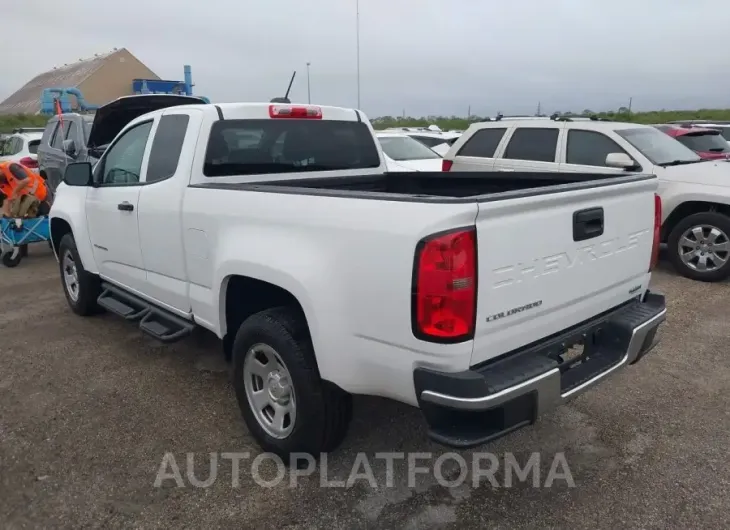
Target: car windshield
[405,148]
[661,149]
[705,141]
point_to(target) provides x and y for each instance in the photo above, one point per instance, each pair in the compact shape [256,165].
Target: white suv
[22,146]
[695,193]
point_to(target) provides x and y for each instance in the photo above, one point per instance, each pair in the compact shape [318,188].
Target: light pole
[309,93]
[357,33]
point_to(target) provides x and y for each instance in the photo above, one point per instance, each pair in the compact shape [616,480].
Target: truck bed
[436,186]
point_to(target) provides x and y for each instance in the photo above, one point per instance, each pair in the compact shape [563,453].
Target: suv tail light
[657,232]
[444,286]
[446,165]
[28,162]
[288,111]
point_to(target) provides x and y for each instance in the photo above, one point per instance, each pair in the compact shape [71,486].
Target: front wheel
[699,247]
[81,288]
[286,405]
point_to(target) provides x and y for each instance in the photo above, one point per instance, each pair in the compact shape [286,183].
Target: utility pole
[468,113]
[631,99]
[309,92]
[357,33]
[538,109]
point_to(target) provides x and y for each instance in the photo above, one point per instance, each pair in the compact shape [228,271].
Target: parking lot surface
[90,407]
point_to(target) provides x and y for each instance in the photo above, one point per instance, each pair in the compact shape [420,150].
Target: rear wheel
[81,288]
[286,405]
[699,246]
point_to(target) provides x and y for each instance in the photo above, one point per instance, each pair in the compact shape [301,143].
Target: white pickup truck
[481,299]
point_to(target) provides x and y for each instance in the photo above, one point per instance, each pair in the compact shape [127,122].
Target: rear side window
[250,147]
[483,144]
[166,147]
[590,148]
[33,146]
[537,145]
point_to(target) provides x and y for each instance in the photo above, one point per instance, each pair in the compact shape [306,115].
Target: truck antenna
[285,99]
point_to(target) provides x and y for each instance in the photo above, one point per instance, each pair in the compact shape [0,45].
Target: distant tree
[623,110]
[587,112]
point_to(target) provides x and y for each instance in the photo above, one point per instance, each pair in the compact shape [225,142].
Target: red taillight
[657,232]
[29,162]
[287,111]
[446,165]
[444,289]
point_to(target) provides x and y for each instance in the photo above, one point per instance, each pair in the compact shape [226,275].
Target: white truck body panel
[349,261]
[555,279]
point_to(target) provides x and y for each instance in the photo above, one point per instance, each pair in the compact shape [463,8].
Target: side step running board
[154,321]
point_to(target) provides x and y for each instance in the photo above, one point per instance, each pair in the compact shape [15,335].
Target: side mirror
[620,160]
[78,174]
[69,147]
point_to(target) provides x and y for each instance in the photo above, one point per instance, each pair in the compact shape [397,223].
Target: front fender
[69,205]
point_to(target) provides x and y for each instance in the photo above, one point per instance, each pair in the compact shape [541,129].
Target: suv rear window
[705,142]
[33,146]
[250,147]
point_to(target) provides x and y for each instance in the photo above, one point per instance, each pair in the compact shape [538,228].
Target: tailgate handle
[587,224]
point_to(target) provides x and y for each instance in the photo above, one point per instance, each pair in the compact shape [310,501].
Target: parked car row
[695,215]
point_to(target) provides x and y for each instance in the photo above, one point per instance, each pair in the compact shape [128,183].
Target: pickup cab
[484,299]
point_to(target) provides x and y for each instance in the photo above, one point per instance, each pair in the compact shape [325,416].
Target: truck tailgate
[550,261]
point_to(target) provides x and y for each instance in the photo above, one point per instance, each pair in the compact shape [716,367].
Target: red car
[709,144]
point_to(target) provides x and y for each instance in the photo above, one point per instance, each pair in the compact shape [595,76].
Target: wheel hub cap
[704,248]
[269,390]
[278,387]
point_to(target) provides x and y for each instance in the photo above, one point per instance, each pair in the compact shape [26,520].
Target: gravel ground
[90,407]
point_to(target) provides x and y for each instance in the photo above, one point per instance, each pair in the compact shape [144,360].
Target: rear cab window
[533,144]
[266,146]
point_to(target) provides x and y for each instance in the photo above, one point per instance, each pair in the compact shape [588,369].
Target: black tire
[710,219]
[89,285]
[12,257]
[323,410]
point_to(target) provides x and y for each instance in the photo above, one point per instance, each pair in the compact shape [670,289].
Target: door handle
[125,206]
[587,224]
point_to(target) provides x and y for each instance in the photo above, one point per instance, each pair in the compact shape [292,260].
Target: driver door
[111,208]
